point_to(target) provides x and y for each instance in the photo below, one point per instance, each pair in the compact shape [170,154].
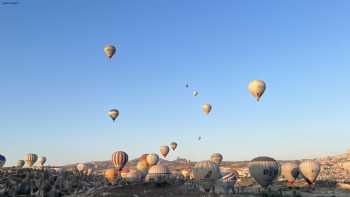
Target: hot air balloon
[81,167]
[206,173]
[264,170]
[42,161]
[158,174]
[229,179]
[30,158]
[346,165]
[109,51]
[199,138]
[89,172]
[216,158]
[124,172]
[290,171]
[206,108]
[143,157]
[186,173]
[187,86]
[257,88]
[173,145]
[111,174]
[20,164]
[2,160]
[164,150]
[142,166]
[133,176]
[195,93]
[113,113]
[119,159]
[309,169]
[152,159]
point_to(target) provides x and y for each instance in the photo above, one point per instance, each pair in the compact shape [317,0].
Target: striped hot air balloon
[216,158]
[152,159]
[164,150]
[30,158]
[119,159]
[310,169]
[20,163]
[2,160]
[290,171]
[206,170]
[264,170]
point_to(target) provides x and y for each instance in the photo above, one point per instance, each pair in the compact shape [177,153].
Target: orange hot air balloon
[206,108]
[173,145]
[164,150]
[119,159]
[143,157]
[111,174]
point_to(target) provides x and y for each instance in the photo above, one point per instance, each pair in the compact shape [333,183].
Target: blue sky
[57,85]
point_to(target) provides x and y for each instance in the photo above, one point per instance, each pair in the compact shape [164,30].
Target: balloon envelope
[257,88]
[206,108]
[119,159]
[164,150]
[290,170]
[20,163]
[42,160]
[206,170]
[111,174]
[310,169]
[81,167]
[2,160]
[30,158]
[173,145]
[109,51]
[216,158]
[113,114]
[152,159]
[264,170]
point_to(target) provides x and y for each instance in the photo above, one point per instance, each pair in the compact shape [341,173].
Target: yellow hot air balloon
[310,169]
[109,51]
[206,108]
[142,166]
[290,171]
[111,174]
[164,150]
[264,170]
[20,163]
[113,113]
[257,88]
[216,158]
[152,159]
[30,158]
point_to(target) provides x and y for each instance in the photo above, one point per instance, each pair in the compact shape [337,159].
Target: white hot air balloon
[290,171]
[158,174]
[216,158]
[152,159]
[257,88]
[310,169]
[195,93]
[20,163]
[42,160]
[264,170]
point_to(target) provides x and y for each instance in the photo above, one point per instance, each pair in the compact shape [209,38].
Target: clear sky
[56,85]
